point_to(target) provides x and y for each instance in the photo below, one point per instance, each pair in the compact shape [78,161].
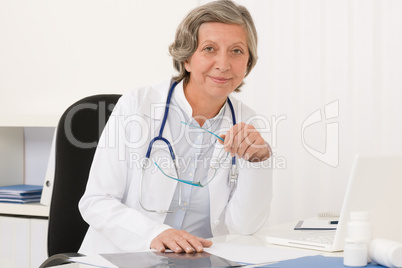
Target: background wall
[54,52]
[331,70]
[328,81]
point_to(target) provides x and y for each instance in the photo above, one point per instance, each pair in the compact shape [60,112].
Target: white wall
[55,52]
[319,52]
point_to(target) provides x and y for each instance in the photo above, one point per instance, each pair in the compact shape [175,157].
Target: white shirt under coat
[194,151]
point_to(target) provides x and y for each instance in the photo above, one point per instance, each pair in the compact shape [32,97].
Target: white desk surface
[257,239]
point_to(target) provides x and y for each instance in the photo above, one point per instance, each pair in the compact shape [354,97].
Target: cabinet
[24,154]
[23,235]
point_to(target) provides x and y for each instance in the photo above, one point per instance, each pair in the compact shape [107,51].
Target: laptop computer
[375,185]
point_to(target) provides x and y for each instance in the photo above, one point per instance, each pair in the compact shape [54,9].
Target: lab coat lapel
[162,187]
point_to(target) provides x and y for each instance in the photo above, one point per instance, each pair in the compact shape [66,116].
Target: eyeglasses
[223,158]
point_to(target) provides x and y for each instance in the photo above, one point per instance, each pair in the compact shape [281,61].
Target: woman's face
[219,63]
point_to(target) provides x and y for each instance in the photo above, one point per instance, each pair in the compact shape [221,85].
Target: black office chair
[77,136]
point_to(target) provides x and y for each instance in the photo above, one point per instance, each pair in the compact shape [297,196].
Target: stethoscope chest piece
[233,176]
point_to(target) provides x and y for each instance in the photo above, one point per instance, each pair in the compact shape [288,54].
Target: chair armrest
[59,259]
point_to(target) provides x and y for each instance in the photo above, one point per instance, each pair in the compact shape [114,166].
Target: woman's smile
[219,80]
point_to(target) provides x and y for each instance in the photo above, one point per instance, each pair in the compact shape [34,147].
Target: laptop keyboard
[322,239]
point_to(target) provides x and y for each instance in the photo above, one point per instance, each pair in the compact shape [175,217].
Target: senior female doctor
[136,198]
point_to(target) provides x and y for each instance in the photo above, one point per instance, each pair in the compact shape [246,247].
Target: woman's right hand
[179,241]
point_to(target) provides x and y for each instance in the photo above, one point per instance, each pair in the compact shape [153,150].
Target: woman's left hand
[246,142]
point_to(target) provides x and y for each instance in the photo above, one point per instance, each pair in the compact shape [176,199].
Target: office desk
[257,239]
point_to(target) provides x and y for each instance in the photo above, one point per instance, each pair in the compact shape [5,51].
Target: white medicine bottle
[386,252]
[358,237]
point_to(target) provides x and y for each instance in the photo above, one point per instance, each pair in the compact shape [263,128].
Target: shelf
[29,121]
[30,209]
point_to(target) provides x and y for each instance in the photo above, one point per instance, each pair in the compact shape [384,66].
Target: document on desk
[155,259]
[256,254]
[218,255]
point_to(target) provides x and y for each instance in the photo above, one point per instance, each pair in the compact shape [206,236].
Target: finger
[205,242]
[158,245]
[223,136]
[171,244]
[259,150]
[246,149]
[184,244]
[230,137]
[196,244]
[239,145]
[199,243]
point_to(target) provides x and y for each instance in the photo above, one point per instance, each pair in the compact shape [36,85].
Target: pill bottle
[355,254]
[358,238]
[386,252]
[359,227]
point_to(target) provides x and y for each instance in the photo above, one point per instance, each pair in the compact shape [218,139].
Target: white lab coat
[110,204]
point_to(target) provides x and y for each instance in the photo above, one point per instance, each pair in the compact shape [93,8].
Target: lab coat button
[217,222]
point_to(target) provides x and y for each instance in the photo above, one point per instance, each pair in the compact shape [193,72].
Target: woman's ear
[187,65]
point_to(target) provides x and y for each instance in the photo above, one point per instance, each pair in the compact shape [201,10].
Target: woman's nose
[222,62]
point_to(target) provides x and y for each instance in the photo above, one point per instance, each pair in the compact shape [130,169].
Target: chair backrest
[77,136]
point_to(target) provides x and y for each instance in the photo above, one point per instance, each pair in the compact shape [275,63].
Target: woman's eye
[209,49]
[237,51]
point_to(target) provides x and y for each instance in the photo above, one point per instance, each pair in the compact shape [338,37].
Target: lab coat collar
[181,100]
[153,100]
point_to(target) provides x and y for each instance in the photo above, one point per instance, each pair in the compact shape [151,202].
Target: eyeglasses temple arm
[204,130]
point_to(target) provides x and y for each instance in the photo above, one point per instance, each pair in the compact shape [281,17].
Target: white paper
[94,260]
[255,254]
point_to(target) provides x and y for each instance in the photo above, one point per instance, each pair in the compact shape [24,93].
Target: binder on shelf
[20,193]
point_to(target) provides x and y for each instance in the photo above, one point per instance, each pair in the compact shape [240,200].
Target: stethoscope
[232,181]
